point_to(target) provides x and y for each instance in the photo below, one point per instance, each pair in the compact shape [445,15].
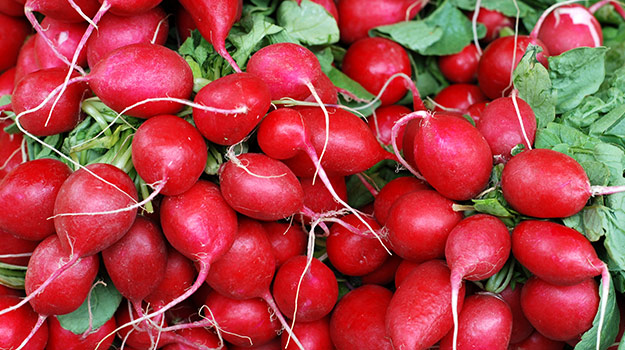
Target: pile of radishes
[316,174]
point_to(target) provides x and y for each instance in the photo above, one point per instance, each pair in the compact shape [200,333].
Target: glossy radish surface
[568,27]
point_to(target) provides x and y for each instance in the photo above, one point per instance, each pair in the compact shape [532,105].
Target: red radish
[7,81]
[62,339]
[494,22]
[12,8]
[6,291]
[419,314]
[458,97]
[453,156]
[358,319]
[200,225]
[357,17]
[57,299]
[137,262]
[560,312]
[16,325]
[373,61]
[61,10]
[184,24]
[353,254]
[351,146]
[143,335]
[313,335]
[537,341]
[391,192]
[330,6]
[10,150]
[160,71]
[272,345]
[475,111]
[460,67]
[504,129]
[485,322]
[15,251]
[419,223]
[214,20]
[548,184]
[383,120]
[567,27]
[42,86]
[65,37]
[521,327]
[404,269]
[318,199]
[498,61]
[13,32]
[243,322]
[286,241]
[81,221]
[27,195]
[176,160]
[555,253]
[327,92]
[117,31]
[273,64]
[384,274]
[261,187]
[197,336]
[240,90]
[26,60]
[408,141]
[305,292]
[476,249]
[178,277]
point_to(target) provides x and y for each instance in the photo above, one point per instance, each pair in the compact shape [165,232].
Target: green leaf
[310,23]
[430,80]
[610,324]
[575,74]
[342,81]
[504,6]
[12,276]
[492,206]
[415,35]
[247,42]
[532,80]
[325,57]
[5,100]
[105,300]
[611,127]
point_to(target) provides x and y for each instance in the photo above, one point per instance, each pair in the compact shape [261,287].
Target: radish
[547,176]
[118,31]
[325,89]
[184,24]
[198,336]
[419,314]
[458,98]
[537,341]
[286,241]
[461,67]
[6,291]
[178,277]
[60,10]
[63,38]
[7,81]
[313,335]
[391,192]
[475,111]
[383,120]
[38,87]
[560,312]
[305,291]
[176,160]
[452,155]
[214,20]
[419,223]
[353,254]
[521,327]
[503,128]
[260,187]
[404,269]
[161,71]
[357,17]
[384,274]
[501,56]
[27,195]
[12,8]
[494,22]
[26,60]
[62,339]
[143,335]
[485,322]
[373,61]
[15,251]
[358,319]
[567,27]
[318,199]
[243,322]
[476,249]
[13,32]
[329,5]
[271,65]
[240,90]
[15,326]
[137,262]
[272,345]
[10,150]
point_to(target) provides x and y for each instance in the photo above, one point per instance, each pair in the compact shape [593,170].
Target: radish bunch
[372,174]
